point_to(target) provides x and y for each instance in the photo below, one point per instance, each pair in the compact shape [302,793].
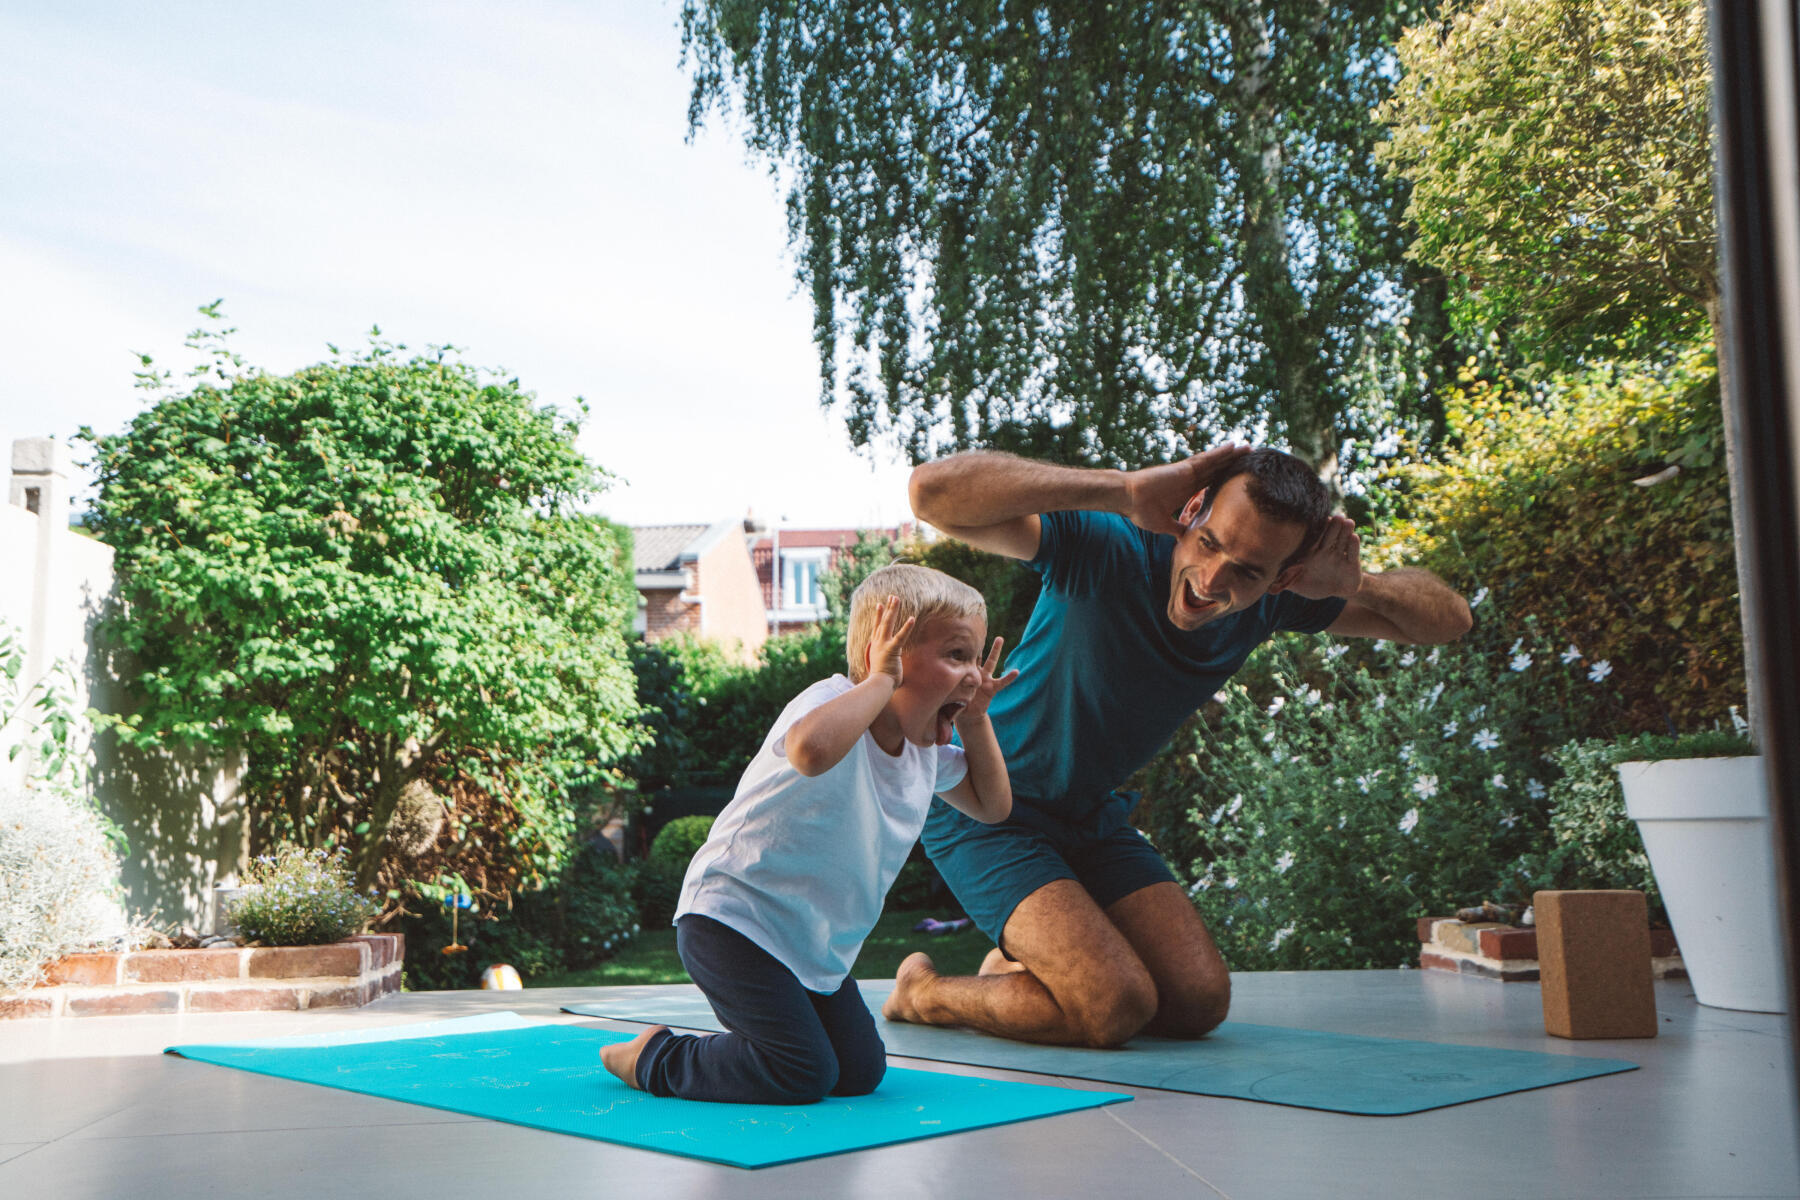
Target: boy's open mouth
[946,720]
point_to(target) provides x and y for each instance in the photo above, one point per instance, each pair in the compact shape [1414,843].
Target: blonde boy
[776,904]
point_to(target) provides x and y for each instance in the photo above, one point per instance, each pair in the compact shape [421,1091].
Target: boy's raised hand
[886,643]
[989,687]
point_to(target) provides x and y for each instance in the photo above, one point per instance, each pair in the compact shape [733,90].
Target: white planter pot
[1705,823]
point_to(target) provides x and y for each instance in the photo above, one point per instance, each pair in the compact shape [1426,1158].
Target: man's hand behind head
[1157,494]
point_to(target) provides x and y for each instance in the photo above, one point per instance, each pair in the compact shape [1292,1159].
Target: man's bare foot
[621,1057]
[915,974]
[996,963]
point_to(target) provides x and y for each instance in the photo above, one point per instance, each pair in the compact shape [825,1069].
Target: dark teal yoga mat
[1368,1076]
[550,1077]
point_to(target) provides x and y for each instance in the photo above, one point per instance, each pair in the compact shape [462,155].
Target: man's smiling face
[1229,557]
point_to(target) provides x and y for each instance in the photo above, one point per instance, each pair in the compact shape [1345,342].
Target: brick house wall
[698,580]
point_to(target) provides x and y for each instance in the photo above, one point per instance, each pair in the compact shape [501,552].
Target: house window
[802,583]
[800,573]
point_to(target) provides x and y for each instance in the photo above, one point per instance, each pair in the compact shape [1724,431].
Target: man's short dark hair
[1281,488]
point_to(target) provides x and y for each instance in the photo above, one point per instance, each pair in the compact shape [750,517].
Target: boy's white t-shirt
[801,866]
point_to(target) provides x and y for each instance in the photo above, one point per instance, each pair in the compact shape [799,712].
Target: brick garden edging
[1491,950]
[347,974]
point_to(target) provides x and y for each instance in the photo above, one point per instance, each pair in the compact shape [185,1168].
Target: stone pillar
[40,485]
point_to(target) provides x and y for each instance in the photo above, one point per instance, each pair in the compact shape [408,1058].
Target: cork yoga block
[1594,964]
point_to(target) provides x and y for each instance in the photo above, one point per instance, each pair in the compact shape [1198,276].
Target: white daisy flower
[1498,782]
[1571,654]
[1409,821]
[1449,730]
[1510,819]
[1534,789]
[1408,659]
[1284,862]
[1485,739]
[1599,671]
[1521,662]
[1425,786]
[1277,704]
[1477,598]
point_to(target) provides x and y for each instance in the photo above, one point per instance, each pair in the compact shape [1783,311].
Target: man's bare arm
[1404,605]
[992,500]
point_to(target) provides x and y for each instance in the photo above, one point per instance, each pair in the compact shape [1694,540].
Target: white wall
[181,815]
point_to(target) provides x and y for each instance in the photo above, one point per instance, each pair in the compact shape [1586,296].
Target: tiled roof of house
[800,539]
[659,547]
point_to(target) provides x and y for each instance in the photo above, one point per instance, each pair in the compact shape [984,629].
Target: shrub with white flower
[299,897]
[1386,800]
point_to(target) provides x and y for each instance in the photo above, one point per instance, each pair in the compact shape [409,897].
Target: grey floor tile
[199,1098]
[92,1108]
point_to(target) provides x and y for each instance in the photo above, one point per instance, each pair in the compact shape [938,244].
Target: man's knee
[1117,1011]
[1194,1010]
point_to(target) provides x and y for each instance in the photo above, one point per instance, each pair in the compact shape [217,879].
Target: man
[1143,615]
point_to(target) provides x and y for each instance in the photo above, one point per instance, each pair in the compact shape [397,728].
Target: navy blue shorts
[991,868]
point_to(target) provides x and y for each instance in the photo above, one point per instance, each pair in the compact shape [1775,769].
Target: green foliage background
[1547,500]
[1560,164]
[368,575]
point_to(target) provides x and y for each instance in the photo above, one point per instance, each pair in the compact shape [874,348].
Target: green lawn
[651,957]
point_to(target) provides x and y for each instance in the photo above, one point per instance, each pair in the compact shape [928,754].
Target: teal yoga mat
[1368,1076]
[549,1077]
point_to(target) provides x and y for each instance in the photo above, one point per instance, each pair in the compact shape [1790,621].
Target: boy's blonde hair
[923,593]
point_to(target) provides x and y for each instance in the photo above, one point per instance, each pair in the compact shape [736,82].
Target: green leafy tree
[1561,168]
[854,563]
[1093,232]
[1561,165]
[369,576]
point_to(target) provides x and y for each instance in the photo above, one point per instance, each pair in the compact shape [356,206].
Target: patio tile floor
[92,1108]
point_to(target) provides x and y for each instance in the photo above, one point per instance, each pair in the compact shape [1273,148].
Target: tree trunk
[1290,332]
[394,771]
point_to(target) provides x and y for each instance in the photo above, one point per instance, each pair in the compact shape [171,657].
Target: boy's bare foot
[915,974]
[996,963]
[621,1057]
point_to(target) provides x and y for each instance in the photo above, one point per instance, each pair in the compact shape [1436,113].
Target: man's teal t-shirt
[1105,678]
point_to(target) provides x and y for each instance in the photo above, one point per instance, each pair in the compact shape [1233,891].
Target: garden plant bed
[1509,953]
[346,974]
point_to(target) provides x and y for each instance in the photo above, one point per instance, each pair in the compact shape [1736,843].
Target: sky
[513,179]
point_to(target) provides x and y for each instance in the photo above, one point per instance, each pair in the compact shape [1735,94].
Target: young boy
[778,901]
